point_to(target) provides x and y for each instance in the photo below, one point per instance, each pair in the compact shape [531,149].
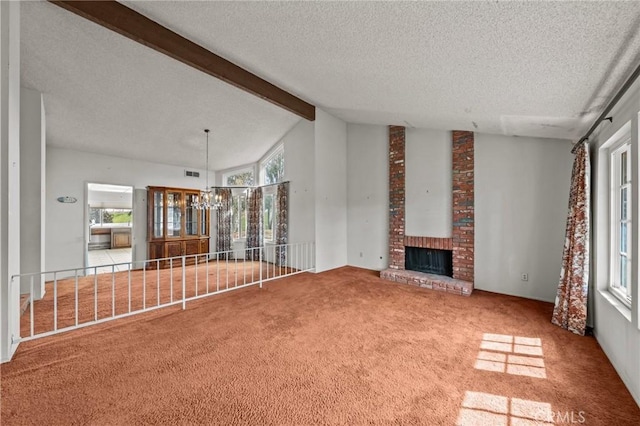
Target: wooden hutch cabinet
[175,226]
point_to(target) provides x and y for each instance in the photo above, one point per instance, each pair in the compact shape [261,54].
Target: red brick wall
[396,197]
[463,205]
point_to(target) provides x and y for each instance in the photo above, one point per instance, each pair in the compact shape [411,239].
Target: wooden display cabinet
[175,226]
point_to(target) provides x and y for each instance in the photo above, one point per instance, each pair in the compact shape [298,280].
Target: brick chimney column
[396,196]
[463,205]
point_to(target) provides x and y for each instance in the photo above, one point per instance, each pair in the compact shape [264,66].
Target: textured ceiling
[107,94]
[531,69]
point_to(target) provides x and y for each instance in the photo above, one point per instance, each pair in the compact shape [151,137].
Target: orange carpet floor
[341,347]
[107,295]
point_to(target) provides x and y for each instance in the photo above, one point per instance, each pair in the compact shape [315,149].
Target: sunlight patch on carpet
[517,355]
[479,408]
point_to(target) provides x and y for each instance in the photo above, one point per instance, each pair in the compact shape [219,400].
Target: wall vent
[191,173]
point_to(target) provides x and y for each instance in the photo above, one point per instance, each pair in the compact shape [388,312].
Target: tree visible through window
[273,167]
[102,216]
[244,178]
[239,216]
[267,219]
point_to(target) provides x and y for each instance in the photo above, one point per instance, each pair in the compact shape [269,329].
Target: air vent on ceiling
[192,173]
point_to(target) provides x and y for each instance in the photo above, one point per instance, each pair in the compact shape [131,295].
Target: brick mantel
[463,222]
[429,242]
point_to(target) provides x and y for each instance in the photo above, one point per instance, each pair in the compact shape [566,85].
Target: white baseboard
[625,379]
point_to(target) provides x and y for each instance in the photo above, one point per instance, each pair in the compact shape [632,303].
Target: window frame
[274,152]
[236,199]
[615,154]
[111,211]
[269,192]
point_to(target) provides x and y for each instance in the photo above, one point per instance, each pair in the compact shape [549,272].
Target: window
[272,168]
[242,177]
[620,203]
[239,216]
[269,216]
[106,216]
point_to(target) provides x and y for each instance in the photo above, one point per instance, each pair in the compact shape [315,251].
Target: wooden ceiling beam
[129,23]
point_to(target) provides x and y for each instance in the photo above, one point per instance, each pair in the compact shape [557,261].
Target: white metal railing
[80,297]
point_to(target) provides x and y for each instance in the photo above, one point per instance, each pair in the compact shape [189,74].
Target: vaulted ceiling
[530,69]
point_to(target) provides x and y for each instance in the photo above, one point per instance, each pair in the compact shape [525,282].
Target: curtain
[223,222]
[254,223]
[281,222]
[570,311]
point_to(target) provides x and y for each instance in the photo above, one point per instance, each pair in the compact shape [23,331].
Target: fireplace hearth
[430,261]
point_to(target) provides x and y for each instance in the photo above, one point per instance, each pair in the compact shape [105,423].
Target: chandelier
[207,200]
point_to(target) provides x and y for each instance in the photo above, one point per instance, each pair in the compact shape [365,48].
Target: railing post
[217,271]
[76,296]
[171,278]
[144,286]
[184,284]
[207,271]
[157,283]
[260,264]
[14,318]
[113,290]
[55,301]
[129,285]
[95,293]
[31,306]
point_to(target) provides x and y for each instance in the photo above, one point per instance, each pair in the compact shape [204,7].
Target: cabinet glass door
[158,216]
[174,213]
[191,214]
[204,220]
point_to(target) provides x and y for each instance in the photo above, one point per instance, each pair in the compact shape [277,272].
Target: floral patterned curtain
[223,221]
[281,225]
[254,223]
[570,311]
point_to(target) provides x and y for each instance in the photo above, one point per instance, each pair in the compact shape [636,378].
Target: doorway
[109,227]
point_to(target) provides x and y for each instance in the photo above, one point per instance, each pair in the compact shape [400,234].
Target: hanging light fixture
[207,200]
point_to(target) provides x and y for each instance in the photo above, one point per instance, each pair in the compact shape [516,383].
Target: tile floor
[109,257]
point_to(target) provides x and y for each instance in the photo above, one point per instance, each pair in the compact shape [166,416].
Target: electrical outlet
[360,254]
[525,277]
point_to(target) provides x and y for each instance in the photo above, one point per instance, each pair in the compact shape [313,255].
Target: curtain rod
[611,104]
[247,187]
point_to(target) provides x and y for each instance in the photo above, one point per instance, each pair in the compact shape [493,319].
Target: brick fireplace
[462,235]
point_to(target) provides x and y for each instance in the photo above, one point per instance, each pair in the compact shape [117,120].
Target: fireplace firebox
[430,261]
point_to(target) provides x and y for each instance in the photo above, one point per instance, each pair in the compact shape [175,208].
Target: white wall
[9,174]
[299,169]
[32,187]
[68,171]
[521,197]
[331,191]
[616,327]
[428,208]
[139,229]
[368,196]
